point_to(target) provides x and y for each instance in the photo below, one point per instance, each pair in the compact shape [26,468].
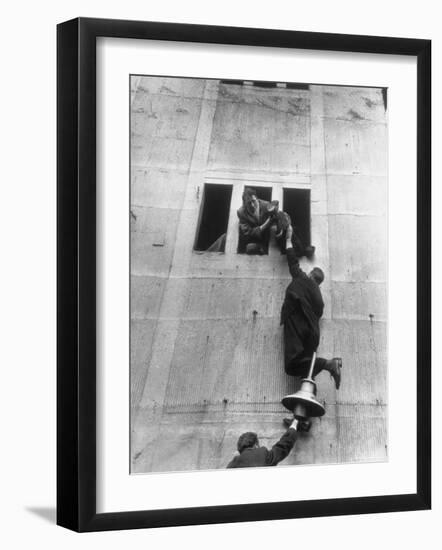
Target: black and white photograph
[220,231]
[258,274]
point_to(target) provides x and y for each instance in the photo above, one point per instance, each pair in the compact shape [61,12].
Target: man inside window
[256,217]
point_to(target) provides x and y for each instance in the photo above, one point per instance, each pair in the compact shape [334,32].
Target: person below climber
[300,314]
[256,217]
[251,455]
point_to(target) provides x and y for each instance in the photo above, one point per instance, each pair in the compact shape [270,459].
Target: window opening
[296,202]
[214,218]
[263,193]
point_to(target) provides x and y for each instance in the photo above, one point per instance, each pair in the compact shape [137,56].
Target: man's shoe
[303,425]
[273,207]
[335,370]
[287,422]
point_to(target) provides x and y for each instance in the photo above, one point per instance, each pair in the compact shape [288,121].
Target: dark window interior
[296,202]
[214,218]
[265,194]
[267,84]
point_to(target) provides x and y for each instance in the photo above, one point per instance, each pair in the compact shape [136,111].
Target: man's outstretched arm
[292,260]
[282,449]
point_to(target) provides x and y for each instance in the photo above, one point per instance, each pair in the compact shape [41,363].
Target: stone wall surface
[206,344]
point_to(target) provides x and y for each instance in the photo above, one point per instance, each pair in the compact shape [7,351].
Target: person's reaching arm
[292,260]
[282,449]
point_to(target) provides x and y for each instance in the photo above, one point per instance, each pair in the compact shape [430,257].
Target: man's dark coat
[302,308]
[261,456]
[250,222]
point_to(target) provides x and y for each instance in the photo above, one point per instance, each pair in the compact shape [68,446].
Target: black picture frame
[76,273]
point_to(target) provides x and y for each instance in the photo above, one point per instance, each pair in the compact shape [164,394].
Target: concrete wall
[206,345]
